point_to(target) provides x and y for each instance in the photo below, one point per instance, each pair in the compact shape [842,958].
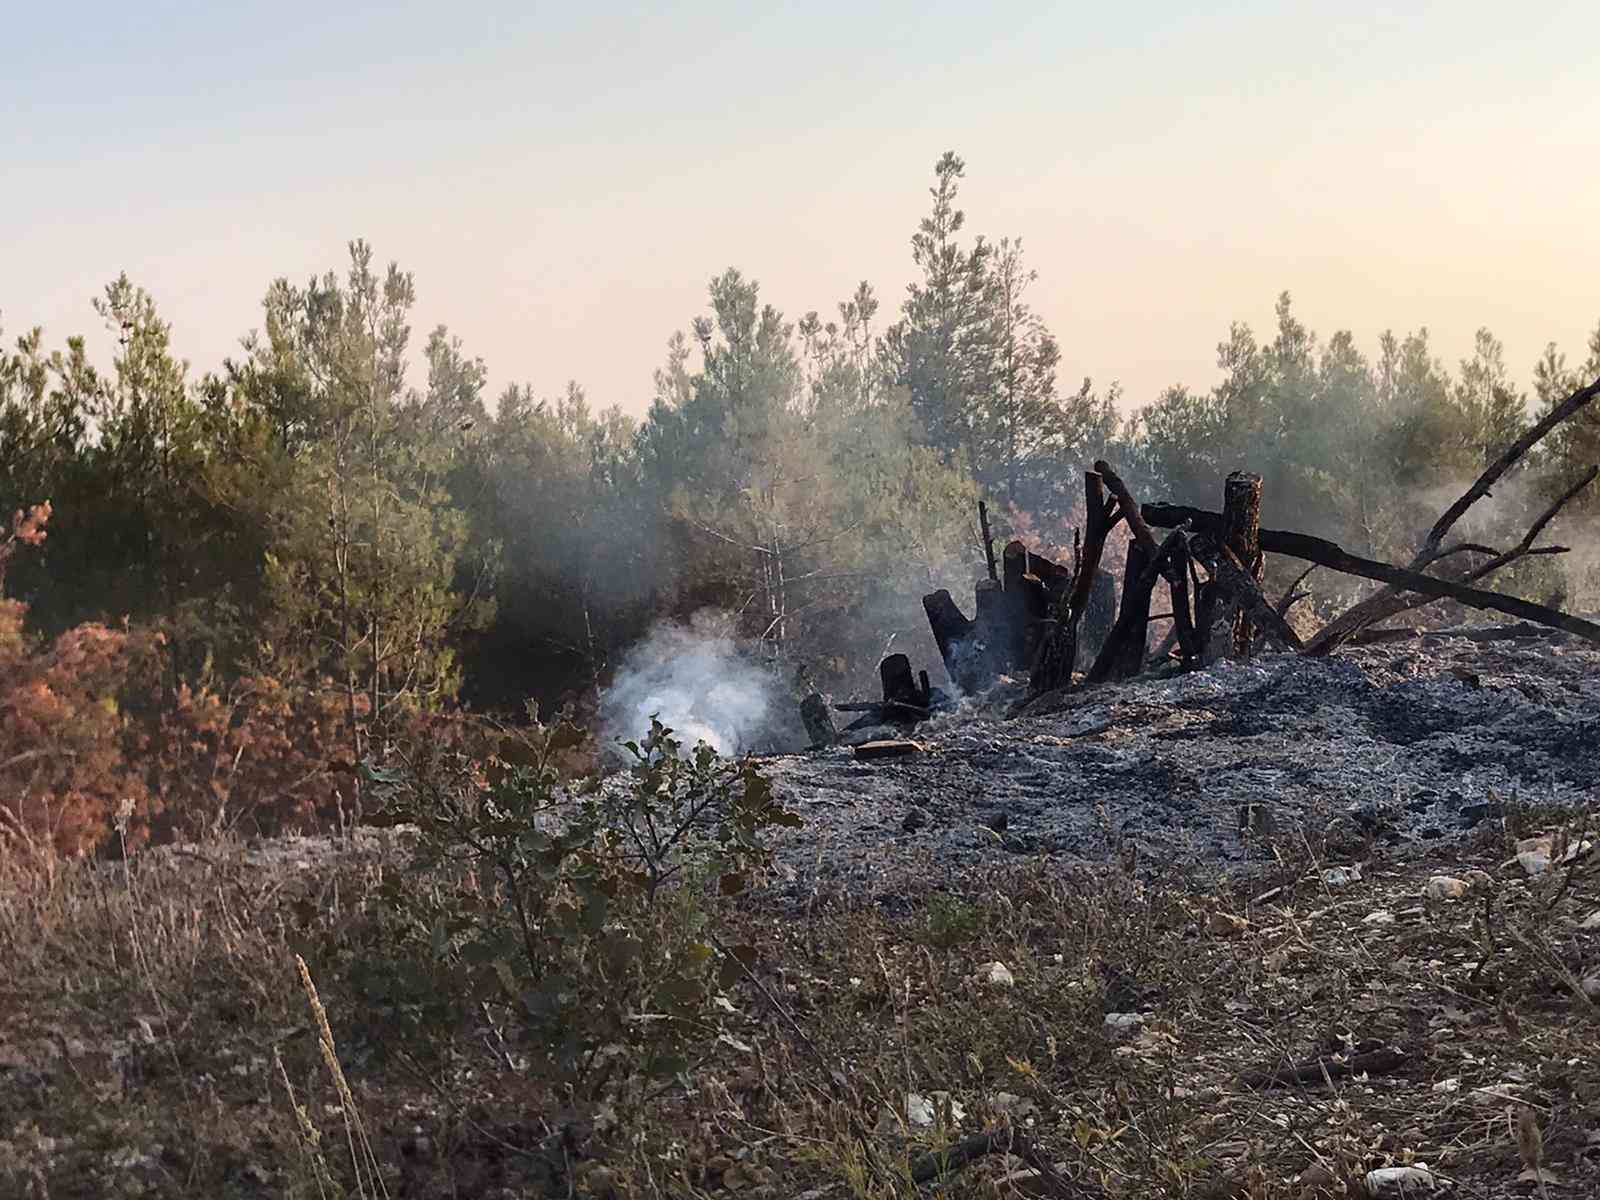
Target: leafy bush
[577,915]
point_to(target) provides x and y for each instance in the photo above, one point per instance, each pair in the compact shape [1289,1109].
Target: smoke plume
[695,680]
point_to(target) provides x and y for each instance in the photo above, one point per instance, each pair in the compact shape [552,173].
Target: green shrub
[577,915]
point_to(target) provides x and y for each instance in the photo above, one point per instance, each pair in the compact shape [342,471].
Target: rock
[921,1111]
[1338,877]
[1592,921]
[1402,1181]
[998,821]
[898,748]
[1591,987]
[915,819]
[1381,917]
[1223,924]
[1533,854]
[996,974]
[1447,887]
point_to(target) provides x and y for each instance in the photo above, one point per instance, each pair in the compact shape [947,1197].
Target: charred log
[1254,607]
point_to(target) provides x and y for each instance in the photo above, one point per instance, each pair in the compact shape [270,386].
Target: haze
[564,183]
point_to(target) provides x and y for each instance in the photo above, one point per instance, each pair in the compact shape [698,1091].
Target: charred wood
[1392,601]
[1057,654]
[1027,605]
[1388,601]
[988,539]
[899,685]
[818,721]
[1241,536]
[1253,605]
[953,633]
[1333,556]
[991,649]
[1176,571]
[1124,651]
[1369,1059]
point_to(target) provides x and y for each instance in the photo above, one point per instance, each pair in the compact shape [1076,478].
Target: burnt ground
[1410,743]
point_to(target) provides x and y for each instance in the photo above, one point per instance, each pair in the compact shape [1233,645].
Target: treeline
[318,519]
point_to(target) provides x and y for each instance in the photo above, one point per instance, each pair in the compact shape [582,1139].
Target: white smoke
[694,679]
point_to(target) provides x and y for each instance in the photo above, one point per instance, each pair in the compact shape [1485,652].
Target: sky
[564,180]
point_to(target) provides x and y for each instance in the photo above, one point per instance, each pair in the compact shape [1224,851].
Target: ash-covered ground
[1413,742]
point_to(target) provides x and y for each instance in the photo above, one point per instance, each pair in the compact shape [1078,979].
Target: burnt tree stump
[1124,650]
[952,631]
[1027,605]
[899,685]
[818,720]
[1241,533]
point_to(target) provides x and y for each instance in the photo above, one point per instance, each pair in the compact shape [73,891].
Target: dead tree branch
[1383,604]
[1391,600]
[1257,610]
[1333,556]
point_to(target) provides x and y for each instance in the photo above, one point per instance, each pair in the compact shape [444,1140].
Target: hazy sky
[563,180]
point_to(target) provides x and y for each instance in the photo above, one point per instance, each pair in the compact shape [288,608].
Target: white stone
[1402,1181]
[996,974]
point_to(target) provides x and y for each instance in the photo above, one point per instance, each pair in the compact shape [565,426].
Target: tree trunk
[1124,650]
[1241,533]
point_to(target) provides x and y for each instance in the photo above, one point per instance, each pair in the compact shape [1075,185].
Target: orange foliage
[84,734]
[90,737]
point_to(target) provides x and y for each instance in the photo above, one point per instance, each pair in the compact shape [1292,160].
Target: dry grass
[159,1038]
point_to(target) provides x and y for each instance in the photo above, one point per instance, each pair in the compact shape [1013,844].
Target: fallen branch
[1386,602]
[1247,592]
[937,1164]
[1375,1061]
[1291,595]
[1392,601]
[1522,630]
[1333,556]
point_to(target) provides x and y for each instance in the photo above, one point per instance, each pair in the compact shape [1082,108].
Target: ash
[1415,743]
